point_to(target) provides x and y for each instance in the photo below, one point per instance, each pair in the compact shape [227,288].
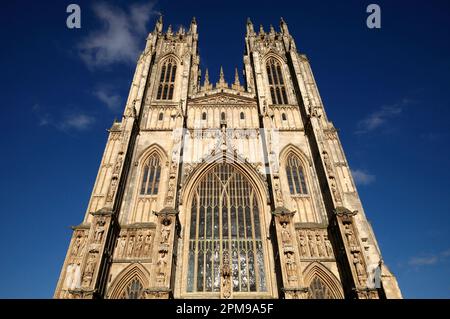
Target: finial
[221,84]
[194,21]
[283,26]
[159,24]
[222,77]
[272,30]
[169,29]
[236,77]
[261,29]
[206,77]
[250,29]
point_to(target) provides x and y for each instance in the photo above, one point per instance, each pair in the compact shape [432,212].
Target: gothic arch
[246,169]
[272,54]
[318,270]
[291,148]
[167,56]
[154,148]
[120,283]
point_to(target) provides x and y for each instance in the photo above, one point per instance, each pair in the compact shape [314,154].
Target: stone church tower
[224,191]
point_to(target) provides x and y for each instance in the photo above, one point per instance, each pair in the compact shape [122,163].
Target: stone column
[167,233]
[293,286]
[352,251]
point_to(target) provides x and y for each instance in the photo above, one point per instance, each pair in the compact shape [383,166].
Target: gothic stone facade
[224,191]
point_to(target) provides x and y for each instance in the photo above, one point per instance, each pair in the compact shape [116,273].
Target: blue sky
[386,90]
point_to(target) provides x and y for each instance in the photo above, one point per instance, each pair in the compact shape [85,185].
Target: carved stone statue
[303,249]
[328,246]
[349,234]
[312,246]
[99,230]
[130,246]
[165,233]
[327,162]
[359,268]
[320,246]
[76,246]
[121,245]
[161,267]
[148,244]
[118,164]
[285,234]
[139,246]
[291,266]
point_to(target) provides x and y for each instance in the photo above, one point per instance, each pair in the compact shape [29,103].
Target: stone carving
[327,163]
[134,243]
[89,270]
[79,244]
[99,230]
[165,232]
[226,275]
[112,189]
[73,276]
[118,164]
[349,235]
[278,194]
[291,265]
[285,234]
[334,190]
[314,244]
[161,267]
[360,272]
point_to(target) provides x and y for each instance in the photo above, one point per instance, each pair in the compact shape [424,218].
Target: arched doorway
[225,228]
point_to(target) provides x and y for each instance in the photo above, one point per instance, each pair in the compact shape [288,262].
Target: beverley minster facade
[224,191]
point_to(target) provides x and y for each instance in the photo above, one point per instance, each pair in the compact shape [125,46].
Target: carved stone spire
[272,30]
[236,85]
[250,30]
[206,84]
[159,24]
[261,29]
[221,84]
[284,27]
[193,27]
[169,30]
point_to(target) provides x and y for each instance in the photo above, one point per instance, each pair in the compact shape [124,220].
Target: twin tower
[224,191]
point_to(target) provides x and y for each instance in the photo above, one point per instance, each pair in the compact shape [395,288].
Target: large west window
[167,80]
[225,218]
[276,82]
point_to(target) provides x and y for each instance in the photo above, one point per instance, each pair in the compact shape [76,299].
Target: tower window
[151,176]
[160,116]
[276,82]
[167,80]
[204,116]
[222,116]
[134,290]
[295,176]
[242,116]
[283,116]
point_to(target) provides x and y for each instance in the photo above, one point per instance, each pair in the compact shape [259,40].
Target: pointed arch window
[319,290]
[151,176]
[225,224]
[276,82]
[167,80]
[134,290]
[295,176]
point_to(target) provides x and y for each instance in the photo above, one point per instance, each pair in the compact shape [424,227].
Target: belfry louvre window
[167,80]
[295,176]
[133,290]
[276,82]
[151,176]
[225,221]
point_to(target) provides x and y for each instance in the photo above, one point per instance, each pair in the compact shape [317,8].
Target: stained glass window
[151,176]
[319,290]
[225,218]
[134,290]
[295,176]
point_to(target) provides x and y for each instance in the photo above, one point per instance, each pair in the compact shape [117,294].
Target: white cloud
[431,259]
[362,177]
[119,39]
[112,101]
[423,261]
[77,121]
[378,118]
